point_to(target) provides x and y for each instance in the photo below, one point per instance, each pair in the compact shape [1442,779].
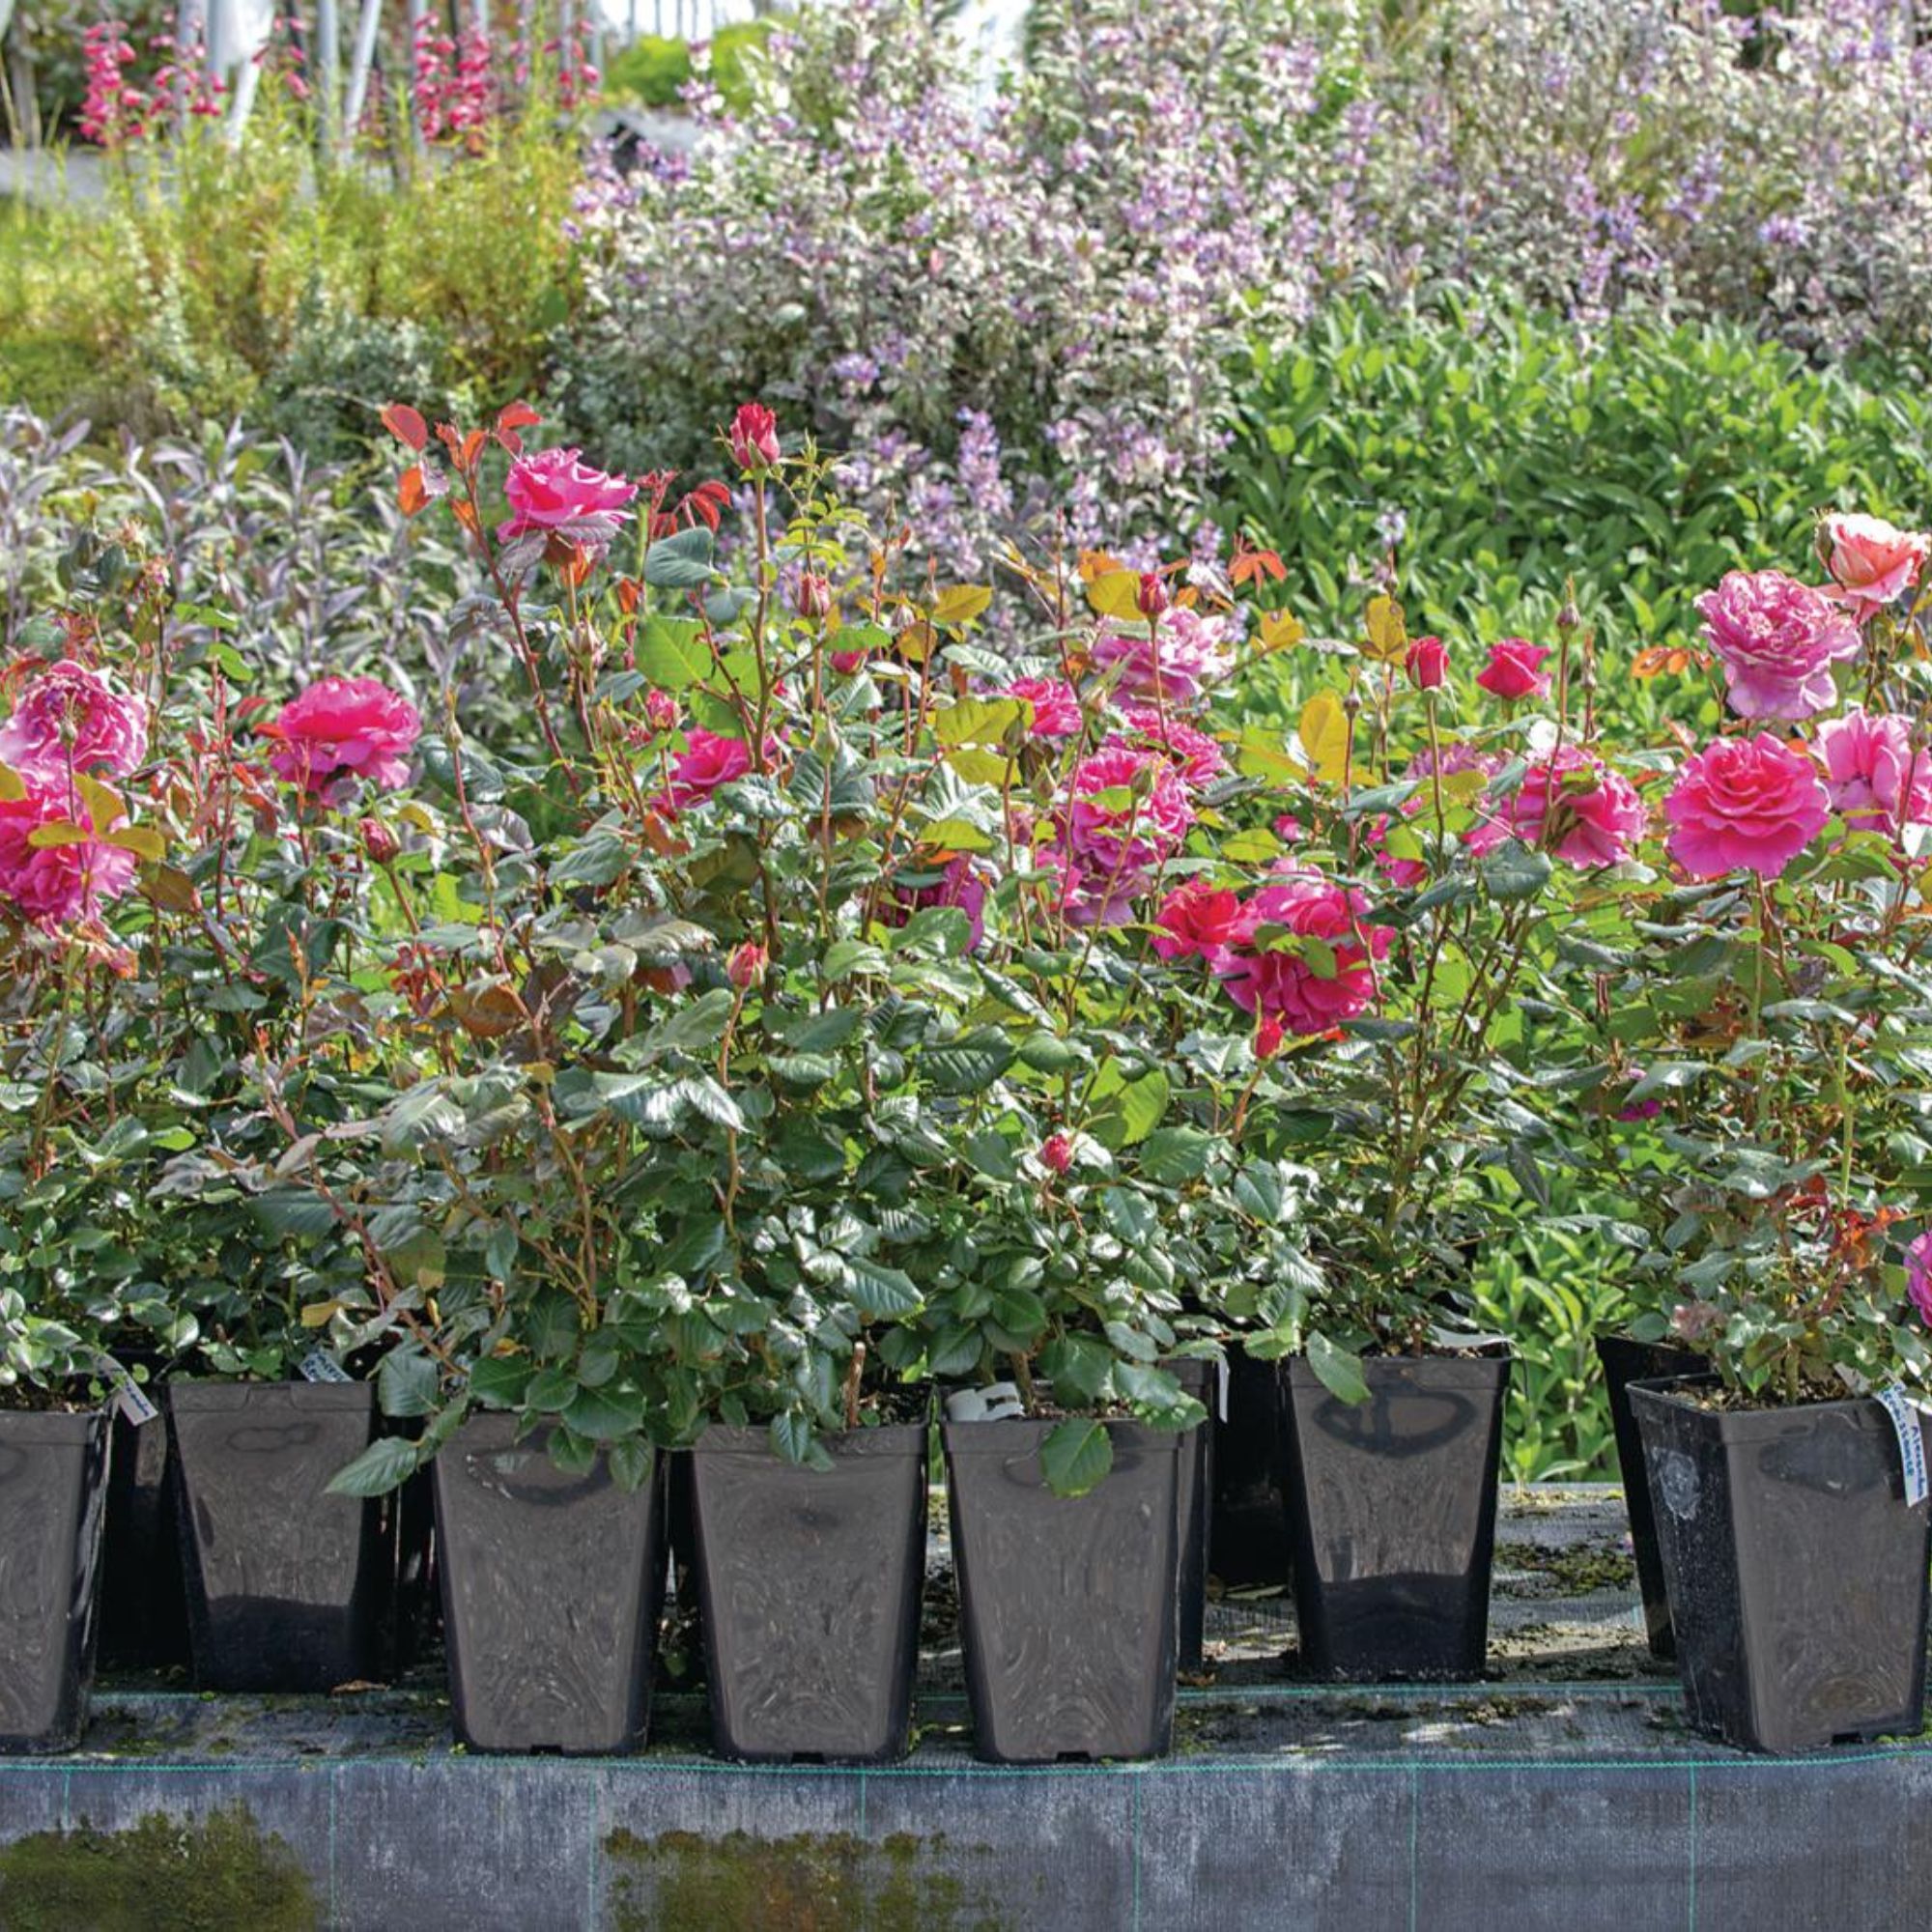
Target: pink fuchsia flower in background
[1872,562]
[1198,758]
[1196,920]
[1126,811]
[1175,665]
[1056,706]
[1777,640]
[706,762]
[71,719]
[1744,804]
[1572,805]
[1918,1276]
[1300,992]
[1876,780]
[754,437]
[341,729]
[1512,670]
[55,885]
[555,492]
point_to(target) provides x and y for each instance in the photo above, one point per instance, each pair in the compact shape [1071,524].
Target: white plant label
[128,1396]
[319,1366]
[1905,1419]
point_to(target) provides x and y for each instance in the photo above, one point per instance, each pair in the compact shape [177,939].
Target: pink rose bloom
[1918,1276]
[1197,757]
[555,493]
[1286,985]
[754,437]
[706,762]
[71,719]
[1744,803]
[1512,670]
[1454,757]
[1195,920]
[962,884]
[1056,706]
[341,729]
[1288,827]
[1592,814]
[1777,640]
[53,885]
[1427,663]
[1872,562]
[1406,873]
[1877,782]
[1109,840]
[1187,654]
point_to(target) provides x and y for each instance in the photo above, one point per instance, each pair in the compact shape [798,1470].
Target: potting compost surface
[1286,1802]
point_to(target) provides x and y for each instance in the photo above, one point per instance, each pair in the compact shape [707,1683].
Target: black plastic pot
[1797,1574]
[53,1500]
[810,1584]
[551,1585]
[288,1587]
[1067,1605]
[1625,1361]
[1197,1512]
[1392,1516]
[1247,1539]
[143,1603]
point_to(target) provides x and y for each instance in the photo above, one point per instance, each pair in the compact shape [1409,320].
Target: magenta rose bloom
[962,884]
[1512,670]
[555,492]
[1287,986]
[1111,838]
[341,729]
[53,885]
[1198,758]
[1588,814]
[754,437]
[1185,655]
[1196,920]
[71,719]
[1872,562]
[1918,1276]
[706,762]
[1744,804]
[1056,706]
[1777,640]
[1427,663]
[1876,780]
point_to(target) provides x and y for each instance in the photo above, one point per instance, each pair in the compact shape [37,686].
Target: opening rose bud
[746,965]
[812,598]
[378,843]
[753,438]
[1056,1152]
[1426,664]
[661,711]
[1268,1036]
[1152,599]
[1512,670]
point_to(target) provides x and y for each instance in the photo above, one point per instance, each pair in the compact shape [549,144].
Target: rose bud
[1426,664]
[746,965]
[755,437]
[661,710]
[1056,1152]
[1152,599]
[1268,1036]
[378,843]
[812,596]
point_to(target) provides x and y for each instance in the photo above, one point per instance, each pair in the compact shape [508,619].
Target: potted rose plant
[1776,1001]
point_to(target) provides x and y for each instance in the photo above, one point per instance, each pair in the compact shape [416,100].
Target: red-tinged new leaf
[406,426]
[509,420]
[1250,566]
[472,448]
[411,494]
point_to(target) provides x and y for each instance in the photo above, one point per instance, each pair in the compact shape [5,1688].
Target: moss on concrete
[811,1882]
[212,1874]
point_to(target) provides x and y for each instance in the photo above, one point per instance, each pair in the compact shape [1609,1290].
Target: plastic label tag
[128,1396]
[1905,1420]
[1222,1377]
[319,1366]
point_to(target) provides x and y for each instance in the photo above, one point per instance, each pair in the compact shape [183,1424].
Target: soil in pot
[288,1587]
[1392,1516]
[1626,1361]
[551,1587]
[810,1587]
[53,1501]
[1067,1605]
[1797,1574]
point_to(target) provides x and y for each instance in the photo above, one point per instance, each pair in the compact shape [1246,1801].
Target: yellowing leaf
[1117,594]
[961,603]
[1281,629]
[104,806]
[141,840]
[978,721]
[58,832]
[13,786]
[1388,636]
[977,767]
[1323,730]
[317,1314]
[1260,754]
[1463,786]
[956,835]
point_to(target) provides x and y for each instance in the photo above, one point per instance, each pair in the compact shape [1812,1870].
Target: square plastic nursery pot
[552,1586]
[1197,1510]
[1392,1516]
[1067,1605]
[1247,1537]
[143,1600]
[1626,1361]
[1797,1572]
[811,1580]
[53,1501]
[288,1587]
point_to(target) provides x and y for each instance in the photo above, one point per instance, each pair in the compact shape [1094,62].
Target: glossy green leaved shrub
[653,69]
[1515,454]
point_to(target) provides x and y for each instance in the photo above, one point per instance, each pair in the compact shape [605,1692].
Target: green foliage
[653,70]
[1641,464]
